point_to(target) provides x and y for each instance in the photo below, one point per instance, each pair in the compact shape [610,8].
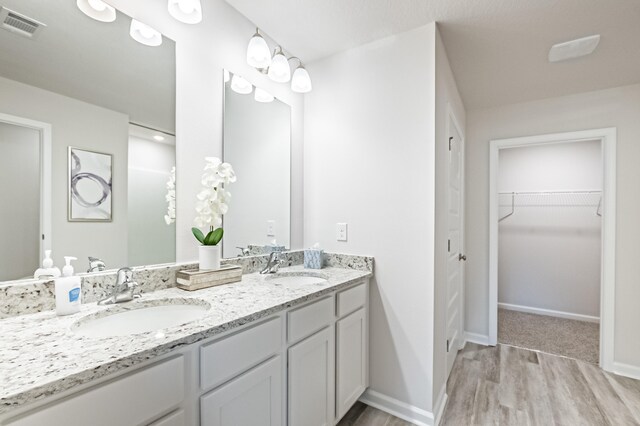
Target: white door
[455,255]
[351,360]
[254,398]
[312,380]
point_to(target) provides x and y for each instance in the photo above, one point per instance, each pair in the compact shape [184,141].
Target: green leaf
[198,234]
[213,237]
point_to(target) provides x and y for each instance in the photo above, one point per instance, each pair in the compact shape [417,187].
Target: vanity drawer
[351,299]
[131,400]
[226,358]
[305,321]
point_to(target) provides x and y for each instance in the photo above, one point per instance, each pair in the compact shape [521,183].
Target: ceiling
[497,48]
[92,61]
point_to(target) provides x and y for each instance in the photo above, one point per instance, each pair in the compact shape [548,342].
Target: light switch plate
[341,231]
[271,228]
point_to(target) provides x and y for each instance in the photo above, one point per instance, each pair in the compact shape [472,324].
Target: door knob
[462,256]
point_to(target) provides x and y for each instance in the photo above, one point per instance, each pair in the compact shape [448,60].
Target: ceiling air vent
[19,24]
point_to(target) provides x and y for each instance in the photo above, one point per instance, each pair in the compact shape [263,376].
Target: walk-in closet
[549,247]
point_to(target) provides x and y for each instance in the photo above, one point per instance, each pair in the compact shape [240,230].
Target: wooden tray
[194,279]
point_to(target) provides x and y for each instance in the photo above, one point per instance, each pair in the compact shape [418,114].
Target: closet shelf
[513,199]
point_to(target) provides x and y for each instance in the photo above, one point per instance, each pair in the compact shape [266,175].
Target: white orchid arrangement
[170,217]
[213,200]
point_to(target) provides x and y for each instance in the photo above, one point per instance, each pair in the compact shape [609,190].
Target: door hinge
[449,245]
[450,140]
[447,345]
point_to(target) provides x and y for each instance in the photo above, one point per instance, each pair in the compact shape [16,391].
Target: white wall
[257,142]
[619,107]
[549,249]
[369,162]
[82,125]
[150,239]
[448,100]
[20,205]
[202,51]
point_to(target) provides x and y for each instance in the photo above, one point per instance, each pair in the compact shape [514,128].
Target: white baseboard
[627,370]
[479,339]
[440,405]
[402,410]
[549,312]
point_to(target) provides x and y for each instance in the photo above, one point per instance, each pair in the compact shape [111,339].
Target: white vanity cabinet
[305,366]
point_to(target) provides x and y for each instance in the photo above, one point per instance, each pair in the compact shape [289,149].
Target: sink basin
[141,317]
[297,278]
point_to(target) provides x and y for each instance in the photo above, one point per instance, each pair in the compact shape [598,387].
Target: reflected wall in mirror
[81,83]
[257,143]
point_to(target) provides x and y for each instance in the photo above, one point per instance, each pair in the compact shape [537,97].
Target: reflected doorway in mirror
[90,189]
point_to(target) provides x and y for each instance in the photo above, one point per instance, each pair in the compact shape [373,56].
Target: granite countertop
[40,355]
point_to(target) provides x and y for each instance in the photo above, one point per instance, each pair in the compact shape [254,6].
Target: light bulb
[142,33]
[262,95]
[301,82]
[258,53]
[279,70]
[97,9]
[240,85]
[186,11]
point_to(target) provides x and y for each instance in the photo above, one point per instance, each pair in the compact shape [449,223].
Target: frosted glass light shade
[301,82]
[262,95]
[97,9]
[240,85]
[142,33]
[258,53]
[279,70]
[187,11]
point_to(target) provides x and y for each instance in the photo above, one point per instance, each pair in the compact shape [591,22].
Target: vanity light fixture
[258,53]
[187,11]
[300,82]
[142,33]
[97,9]
[279,70]
[262,95]
[240,85]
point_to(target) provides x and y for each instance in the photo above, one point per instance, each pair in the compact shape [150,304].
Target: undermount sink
[298,278]
[141,317]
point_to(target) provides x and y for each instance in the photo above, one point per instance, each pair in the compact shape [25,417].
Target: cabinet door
[254,398]
[311,380]
[351,360]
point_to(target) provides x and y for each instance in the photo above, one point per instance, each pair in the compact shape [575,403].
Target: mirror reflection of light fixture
[262,95]
[142,33]
[240,85]
[187,11]
[300,82]
[279,70]
[258,53]
[227,76]
[97,9]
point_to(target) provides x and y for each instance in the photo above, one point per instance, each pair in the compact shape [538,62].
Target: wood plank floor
[504,385]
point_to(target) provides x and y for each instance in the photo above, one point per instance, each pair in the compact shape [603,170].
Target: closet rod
[549,192]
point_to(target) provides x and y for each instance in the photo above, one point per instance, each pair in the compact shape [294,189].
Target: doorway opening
[552,242]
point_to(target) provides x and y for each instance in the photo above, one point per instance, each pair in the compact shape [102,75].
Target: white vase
[209,258]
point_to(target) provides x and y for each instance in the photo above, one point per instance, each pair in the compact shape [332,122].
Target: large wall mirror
[87,140]
[257,143]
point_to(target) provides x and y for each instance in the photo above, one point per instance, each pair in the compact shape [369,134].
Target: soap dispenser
[68,290]
[47,270]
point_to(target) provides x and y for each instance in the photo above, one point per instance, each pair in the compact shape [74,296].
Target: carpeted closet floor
[559,336]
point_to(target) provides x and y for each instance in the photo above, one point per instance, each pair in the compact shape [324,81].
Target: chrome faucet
[244,251]
[124,289]
[96,265]
[273,264]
